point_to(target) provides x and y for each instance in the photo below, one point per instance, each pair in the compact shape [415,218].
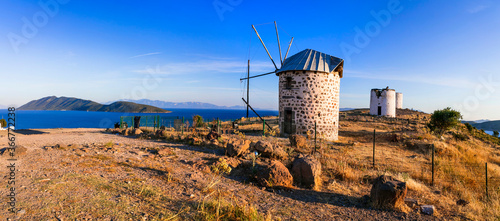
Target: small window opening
[288,83]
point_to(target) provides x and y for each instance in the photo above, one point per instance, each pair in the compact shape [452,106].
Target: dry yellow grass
[459,165]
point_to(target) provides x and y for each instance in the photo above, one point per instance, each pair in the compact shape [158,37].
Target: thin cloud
[148,54]
[214,66]
[477,8]
[440,81]
[211,57]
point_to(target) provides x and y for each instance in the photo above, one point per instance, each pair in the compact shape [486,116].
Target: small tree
[3,123]
[469,127]
[443,120]
[198,121]
[495,133]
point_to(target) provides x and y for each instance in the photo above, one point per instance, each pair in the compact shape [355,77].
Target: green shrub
[198,121]
[495,133]
[461,137]
[3,122]
[443,120]
[470,128]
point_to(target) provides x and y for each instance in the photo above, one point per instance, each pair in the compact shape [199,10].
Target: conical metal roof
[311,60]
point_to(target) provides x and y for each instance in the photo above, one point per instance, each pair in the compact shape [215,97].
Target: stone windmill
[309,86]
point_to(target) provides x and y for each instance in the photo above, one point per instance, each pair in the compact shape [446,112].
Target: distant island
[485,124]
[186,105]
[76,104]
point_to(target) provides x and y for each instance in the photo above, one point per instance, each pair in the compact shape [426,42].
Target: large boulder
[275,175]
[306,171]
[388,193]
[237,147]
[267,149]
[298,141]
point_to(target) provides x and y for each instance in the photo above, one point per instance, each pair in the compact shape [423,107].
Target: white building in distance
[383,102]
[399,100]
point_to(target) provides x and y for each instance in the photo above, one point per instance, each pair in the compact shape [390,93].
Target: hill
[188,105]
[76,104]
[488,125]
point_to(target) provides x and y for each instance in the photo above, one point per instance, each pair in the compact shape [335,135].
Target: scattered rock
[388,192]
[61,146]
[237,147]
[202,166]
[161,133]
[137,131]
[393,138]
[127,132]
[233,162]
[419,146]
[412,203]
[462,202]
[428,209]
[306,171]
[298,141]
[266,149]
[275,175]
[212,135]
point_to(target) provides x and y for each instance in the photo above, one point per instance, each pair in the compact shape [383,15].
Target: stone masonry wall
[313,96]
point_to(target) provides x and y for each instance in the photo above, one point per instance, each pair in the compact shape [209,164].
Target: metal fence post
[374,148]
[263,127]
[486,175]
[121,122]
[433,150]
[218,128]
[182,126]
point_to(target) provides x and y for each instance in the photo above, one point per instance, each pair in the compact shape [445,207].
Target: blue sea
[83,119]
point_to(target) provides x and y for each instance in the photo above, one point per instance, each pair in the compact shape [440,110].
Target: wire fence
[440,172]
[181,124]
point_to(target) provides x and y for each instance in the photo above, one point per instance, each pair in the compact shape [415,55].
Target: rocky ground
[89,174]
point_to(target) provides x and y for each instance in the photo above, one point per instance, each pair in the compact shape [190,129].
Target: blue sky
[437,53]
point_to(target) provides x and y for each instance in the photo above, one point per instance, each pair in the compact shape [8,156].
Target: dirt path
[92,175]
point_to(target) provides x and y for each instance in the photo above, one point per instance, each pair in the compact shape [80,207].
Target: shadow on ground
[29,132]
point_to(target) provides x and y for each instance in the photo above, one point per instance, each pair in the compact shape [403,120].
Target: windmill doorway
[288,124]
[379,110]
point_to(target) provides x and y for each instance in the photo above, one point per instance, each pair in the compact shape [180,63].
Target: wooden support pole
[264,46]
[260,75]
[248,84]
[287,50]
[262,119]
[279,45]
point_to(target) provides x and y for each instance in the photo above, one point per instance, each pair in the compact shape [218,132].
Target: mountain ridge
[77,104]
[487,125]
[190,105]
